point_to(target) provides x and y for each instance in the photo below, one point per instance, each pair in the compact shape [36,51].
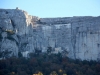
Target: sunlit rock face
[86,38]
[76,37]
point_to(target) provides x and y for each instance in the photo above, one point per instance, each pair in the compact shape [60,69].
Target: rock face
[78,37]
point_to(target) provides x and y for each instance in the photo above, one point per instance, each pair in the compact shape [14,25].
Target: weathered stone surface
[78,37]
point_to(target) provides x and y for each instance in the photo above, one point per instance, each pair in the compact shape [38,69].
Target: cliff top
[18,13]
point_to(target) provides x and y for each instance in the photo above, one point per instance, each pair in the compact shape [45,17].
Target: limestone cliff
[78,37]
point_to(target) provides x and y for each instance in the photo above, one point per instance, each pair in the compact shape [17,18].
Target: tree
[53,73]
[60,72]
[5,54]
[1,54]
[49,49]
[37,51]
[64,74]
[20,54]
[40,73]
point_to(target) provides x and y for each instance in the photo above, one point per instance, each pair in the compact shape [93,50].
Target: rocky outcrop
[76,37]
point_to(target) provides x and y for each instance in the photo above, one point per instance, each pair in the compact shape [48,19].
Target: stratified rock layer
[78,37]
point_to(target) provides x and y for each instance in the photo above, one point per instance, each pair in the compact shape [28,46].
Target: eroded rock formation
[78,37]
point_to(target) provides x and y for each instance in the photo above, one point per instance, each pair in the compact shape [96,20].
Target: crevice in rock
[13,24]
[6,12]
[12,39]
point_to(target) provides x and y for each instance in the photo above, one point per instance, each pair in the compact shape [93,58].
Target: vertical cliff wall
[78,37]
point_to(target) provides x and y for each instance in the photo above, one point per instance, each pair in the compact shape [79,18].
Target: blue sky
[55,8]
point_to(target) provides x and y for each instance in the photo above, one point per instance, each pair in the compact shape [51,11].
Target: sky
[55,8]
